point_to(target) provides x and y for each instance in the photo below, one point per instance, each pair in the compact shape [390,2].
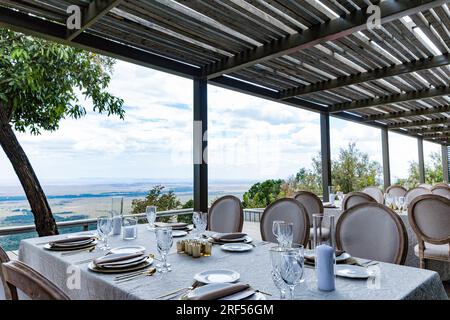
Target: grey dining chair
[375,193]
[354,198]
[3,259]
[429,216]
[396,191]
[289,210]
[425,185]
[313,205]
[442,191]
[19,276]
[414,193]
[226,215]
[372,231]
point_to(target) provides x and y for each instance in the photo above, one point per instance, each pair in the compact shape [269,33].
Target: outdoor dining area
[389,71]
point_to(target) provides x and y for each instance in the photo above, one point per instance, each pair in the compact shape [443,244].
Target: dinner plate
[89,245]
[179,233]
[127,263]
[309,254]
[245,239]
[236,247]
[74,244]
[351,271]
[217,276]
[248,294]
[143,265]
[128,249]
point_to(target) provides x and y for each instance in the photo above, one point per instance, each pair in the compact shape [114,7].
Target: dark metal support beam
[396,98]
[94,12]
[443,135]
[418,123]
[386,158]
[200,145]
[412,113]
[445,166]
[371,75]
[326,154]
[37,27]
[421,160]
[334,29]
[429,130]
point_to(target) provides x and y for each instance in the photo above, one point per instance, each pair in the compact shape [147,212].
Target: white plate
[86,246]
[236,247]
[351,271]
[309,254]
[128,249]
[243,295]
[217,276]
[140,266]
[245,239]
[179,233]
[128,263]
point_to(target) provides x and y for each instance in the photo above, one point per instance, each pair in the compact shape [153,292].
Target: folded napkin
[222,292]
[228,236]
[116,258]
[312,257]
[72,241]
[172,225]
[329,205]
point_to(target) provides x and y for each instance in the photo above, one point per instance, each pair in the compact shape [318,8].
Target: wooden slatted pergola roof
[322,55]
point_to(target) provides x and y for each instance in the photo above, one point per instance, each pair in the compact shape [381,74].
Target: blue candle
[325,267]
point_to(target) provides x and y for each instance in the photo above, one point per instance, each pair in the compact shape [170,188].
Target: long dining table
[71,274]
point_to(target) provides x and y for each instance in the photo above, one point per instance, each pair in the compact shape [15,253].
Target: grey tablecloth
[392,281]
[441,267]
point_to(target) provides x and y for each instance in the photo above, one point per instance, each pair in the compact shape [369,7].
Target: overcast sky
[249,138]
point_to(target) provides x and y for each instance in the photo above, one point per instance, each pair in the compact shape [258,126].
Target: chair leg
[422,263]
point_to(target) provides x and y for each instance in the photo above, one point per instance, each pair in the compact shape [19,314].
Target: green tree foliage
[433,172]
[261,194]
[156,197]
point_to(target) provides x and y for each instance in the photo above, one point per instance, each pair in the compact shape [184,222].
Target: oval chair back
[354,198]
[396,191]
[414,193]
[441,191]
[226,215]
[311,202]
[372,231]
[375,193]
[289,210]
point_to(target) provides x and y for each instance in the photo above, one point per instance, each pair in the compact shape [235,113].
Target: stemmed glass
[388,200]
[286,234]
[104,227]
[292,267]
[340,196]
[275,258]
[150,212]
[276,229]
[164,241]
[400,202]
[200,220]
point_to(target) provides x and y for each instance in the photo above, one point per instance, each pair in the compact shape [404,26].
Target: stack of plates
[243,239]
[120,262]
[71,243]
[175,225]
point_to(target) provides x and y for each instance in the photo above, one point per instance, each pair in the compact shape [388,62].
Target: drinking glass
[129,227]
[276,229]
[340,196]
[292,267]
[150,212]
[164,241]
[275,258]
[400,201]
[286,234]
[388,200]
[104,225]
[200,220]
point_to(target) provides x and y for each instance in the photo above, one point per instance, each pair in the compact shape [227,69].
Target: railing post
[200,145]
[386,162]
[421,160]
[445,166]
[326,154]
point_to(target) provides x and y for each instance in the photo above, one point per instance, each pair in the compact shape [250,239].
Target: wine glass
[292,267]
[286,234]
[104,227]
[150,212]
[340,196]
[275,258]
[200,220]
[164,241]
[400,201]
[388,200]
[276,229]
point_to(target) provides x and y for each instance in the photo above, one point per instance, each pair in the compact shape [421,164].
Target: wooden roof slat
[405,114]
[419,123]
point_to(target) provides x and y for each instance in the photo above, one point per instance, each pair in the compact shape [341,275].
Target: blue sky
[249,138]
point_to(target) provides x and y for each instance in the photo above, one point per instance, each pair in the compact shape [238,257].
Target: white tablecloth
[392,282]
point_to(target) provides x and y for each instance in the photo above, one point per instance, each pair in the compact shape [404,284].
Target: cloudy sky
[249,138]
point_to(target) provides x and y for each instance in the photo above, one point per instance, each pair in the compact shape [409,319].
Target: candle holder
[194,247]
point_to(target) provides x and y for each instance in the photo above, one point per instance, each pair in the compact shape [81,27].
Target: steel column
[326,154]
[421,160]
[445,167]
[386,162]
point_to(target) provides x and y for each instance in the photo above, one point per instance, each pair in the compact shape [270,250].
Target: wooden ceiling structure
[322,56]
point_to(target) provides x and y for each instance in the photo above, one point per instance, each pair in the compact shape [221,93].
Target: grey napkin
[72,241]
[116,258]
[228,236]
[223,292]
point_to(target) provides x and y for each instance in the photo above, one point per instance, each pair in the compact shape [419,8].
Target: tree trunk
[43,218]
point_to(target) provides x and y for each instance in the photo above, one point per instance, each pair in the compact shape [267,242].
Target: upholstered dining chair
[396,191]
[442,191]
[353,198]
[414,193]
[441,184]
[313,205]
[19,276]
[375,193]
[372,231]
[425,185]
[289,210]
[3,259]
[226,215]
[429,216]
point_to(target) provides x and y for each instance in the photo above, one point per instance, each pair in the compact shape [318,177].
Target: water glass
[389,200]
[104,226]
[340,197]
[401,203]
[276,229]
[150,212]
[200,220]
[275,258]
[164,241]
[129,228]
[286,236]
[292,267]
